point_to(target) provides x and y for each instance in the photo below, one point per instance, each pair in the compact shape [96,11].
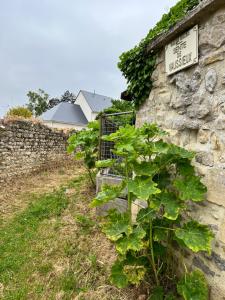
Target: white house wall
[63,126]
[85,107]
[93,116]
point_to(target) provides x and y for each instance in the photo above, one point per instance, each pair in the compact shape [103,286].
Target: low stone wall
[190,105]
[26,147]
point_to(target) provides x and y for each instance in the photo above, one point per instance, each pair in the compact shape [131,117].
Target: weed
[85,223]
[45,268]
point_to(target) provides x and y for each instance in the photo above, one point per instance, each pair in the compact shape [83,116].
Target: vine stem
[129,201]
[152,254]
[165,228]
[91,178]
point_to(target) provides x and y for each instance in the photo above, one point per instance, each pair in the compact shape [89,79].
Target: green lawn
[53,249]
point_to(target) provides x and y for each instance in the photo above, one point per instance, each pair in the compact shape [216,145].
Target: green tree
[37,102]
[19,111]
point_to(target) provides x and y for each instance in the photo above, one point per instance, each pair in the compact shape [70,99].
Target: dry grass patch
[54,248]
[16,195]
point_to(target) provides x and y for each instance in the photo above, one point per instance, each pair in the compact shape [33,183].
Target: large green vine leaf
[123,149]
[125,134]
[145,168]
[180,152]
[195,236]
[185,168]
[105,163]
[145,215]
[190,188]
[108,193]
[132,269]
[135,274]
[132,242]
[142,187]
[151,130]
[119,225]
[172,207]
[193,286]
[160,234]
[160,147]
[118,278]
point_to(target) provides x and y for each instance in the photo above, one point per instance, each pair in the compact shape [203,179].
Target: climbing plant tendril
[137,64]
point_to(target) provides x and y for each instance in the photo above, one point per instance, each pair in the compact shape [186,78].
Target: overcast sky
[60,45]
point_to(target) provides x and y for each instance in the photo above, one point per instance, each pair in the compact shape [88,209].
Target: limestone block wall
[190,105]
[26,147]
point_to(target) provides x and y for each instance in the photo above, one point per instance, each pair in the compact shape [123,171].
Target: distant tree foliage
[53,102]
[119,106]
[68,97]
[19,111]
[37,102]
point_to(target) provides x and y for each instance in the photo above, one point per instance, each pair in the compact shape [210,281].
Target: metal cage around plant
[110,123]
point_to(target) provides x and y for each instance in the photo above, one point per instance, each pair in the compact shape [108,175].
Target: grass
[53,249]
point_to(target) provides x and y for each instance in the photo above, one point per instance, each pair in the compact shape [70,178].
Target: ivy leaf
[172,206]
[143,187]
[190,189]
[105,163]
[195,236]
[119,225]
[145,168]
[108,193]
[145,215]
[132,242]
[118,278]
[193,286]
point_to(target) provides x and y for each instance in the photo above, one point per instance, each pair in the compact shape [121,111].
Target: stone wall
[26,147]
[190,105]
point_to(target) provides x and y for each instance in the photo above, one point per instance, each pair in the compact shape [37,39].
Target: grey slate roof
[97,102]
[65,112]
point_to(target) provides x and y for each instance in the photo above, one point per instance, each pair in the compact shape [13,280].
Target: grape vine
[160,174]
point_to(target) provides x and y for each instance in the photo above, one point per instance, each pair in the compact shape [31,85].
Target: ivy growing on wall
[137,64]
